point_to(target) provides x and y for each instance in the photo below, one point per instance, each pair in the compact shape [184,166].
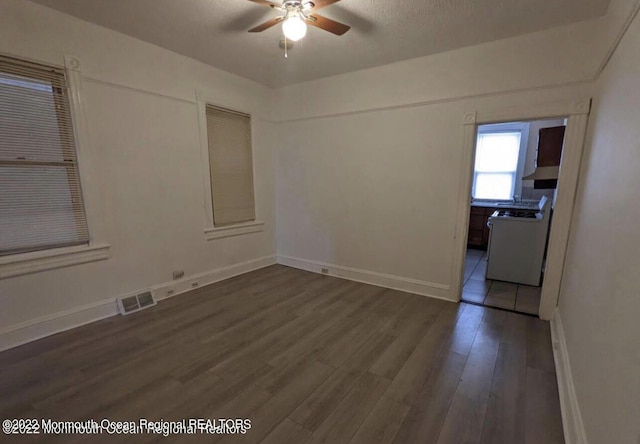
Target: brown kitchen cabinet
[478,230]
[550,143]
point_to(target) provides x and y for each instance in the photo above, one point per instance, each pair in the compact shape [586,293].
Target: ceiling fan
[297,13]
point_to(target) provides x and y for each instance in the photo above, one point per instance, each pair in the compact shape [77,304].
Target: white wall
[369,162]
[559,56]
[600,297]
[144,140]
[377,191]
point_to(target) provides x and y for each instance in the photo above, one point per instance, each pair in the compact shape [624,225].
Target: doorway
[513,192]
[576,115]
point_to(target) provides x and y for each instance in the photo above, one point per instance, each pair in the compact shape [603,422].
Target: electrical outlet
[194,284]
[169,292]
[178,274]
[325,271]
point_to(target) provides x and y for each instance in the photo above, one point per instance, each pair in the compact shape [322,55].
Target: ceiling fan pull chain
[286,55]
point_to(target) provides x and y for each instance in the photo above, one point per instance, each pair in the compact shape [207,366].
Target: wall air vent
[146,299]
[131,304]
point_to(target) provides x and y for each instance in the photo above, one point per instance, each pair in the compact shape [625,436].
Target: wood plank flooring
[307,358]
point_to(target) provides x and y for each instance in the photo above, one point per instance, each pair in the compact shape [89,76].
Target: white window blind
[41,203]
[496,165]
[231,166]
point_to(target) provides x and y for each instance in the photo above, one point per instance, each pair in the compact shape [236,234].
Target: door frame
[577,114]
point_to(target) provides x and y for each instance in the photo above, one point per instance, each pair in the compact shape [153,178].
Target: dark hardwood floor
[308,358]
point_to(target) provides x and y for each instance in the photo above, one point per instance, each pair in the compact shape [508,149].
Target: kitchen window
[497,163]
[41,204]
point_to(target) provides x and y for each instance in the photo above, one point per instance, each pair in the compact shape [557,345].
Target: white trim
[540,111]
[137,90]
[170,289]
[41,327]
[201,104]
[577,113]
[234,230]
[33,262]
[574,138]
[519,127]
[625,27]
[430,102]
[461,227]
[574,432]
[510,127]
[55,323]
[423,288]
[87,167]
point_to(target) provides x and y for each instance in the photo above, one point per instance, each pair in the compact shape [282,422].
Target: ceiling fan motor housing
[297,4]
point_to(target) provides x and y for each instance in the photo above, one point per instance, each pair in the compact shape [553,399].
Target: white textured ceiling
[383,31]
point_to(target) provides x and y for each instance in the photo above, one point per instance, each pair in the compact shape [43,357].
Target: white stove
[516,244]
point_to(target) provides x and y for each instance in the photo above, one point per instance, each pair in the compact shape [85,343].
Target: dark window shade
[231,166]
[41,204]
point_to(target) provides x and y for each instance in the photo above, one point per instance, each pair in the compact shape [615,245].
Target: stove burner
[517,213]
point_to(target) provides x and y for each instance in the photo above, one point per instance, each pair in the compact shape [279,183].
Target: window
[230,165]
[496,165]
[41,204]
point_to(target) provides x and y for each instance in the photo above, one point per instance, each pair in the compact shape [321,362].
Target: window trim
[211,231]
[234,230]
[523,129]
[42,260]
[97,248]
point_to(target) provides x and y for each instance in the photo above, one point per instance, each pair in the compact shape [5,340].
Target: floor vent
[131,304]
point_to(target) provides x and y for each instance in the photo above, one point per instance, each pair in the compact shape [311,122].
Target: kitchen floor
[520,298]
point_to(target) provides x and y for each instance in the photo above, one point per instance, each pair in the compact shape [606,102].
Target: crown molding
[625,27]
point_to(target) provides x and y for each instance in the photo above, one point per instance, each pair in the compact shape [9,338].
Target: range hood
[544,173]
[548,156]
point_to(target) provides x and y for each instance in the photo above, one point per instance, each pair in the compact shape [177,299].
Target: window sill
[26,263]
[233,230]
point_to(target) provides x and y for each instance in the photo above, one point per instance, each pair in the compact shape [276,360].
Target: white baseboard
[423,288]
[41,327]
[55,323]
[574,432]
[173,288]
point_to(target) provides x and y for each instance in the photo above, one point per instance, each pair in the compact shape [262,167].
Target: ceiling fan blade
[266,25]
[319,4]
[265,3]
[328,25]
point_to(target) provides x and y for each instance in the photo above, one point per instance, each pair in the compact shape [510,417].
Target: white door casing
[577,114]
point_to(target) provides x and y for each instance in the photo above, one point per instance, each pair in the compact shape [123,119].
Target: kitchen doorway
[515,174]
[501,178]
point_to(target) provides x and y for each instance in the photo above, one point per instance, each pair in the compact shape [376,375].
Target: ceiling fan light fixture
[296,14]
[294,28]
